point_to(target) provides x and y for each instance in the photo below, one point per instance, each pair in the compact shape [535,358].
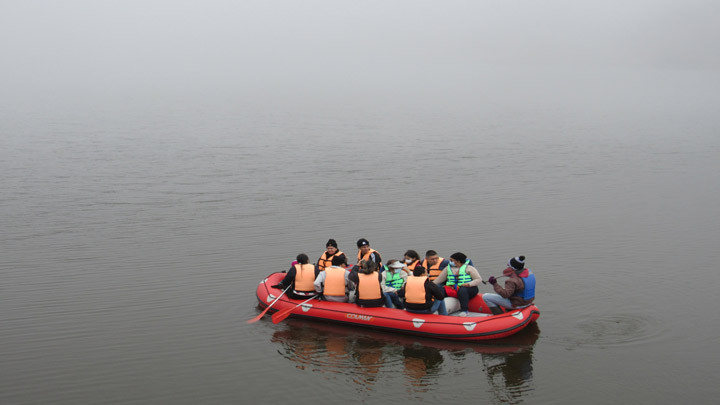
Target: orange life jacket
[325,261]
[411,267]
[334,282]
[304,277]
[369,286]
[415,290]
[365,257]
[434,271]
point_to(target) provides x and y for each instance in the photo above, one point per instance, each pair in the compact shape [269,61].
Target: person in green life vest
[461,280]
[393,278]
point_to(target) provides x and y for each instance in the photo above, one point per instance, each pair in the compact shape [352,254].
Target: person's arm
[353,277]
[509,289]
[475,275]
[401,292]
[442,278]
[288,280]
[318,282]
[435,290]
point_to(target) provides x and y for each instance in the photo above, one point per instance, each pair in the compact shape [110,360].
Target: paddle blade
[257,318]
[281,315]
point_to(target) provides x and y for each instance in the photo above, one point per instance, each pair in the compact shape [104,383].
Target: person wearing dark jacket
[301,276]
[331,251]
[368,281]
[365,252]
[422,296]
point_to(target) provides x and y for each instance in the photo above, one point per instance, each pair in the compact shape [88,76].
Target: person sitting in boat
[367,279]
[519,288]
[434,264]
[411,259]
[333,283]
[331,250]
[461,280]
[392,279]
[422,296]
[366,253]
[301,276]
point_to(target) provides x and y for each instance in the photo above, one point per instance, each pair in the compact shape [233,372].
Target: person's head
[432,257]
[331,246]
[363,245]
[395,265]
[302,258]
[367,266]
[411,256]
[339,261]
[457,259]
[517,264]
[419,271]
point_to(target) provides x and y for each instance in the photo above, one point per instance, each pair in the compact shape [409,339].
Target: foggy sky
[91,44]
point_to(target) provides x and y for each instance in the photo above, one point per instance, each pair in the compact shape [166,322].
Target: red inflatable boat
[480,325]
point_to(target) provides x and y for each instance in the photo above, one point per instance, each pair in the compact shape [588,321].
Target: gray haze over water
[158,159]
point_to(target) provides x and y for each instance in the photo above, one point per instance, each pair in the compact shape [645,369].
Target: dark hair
[418,271]
[459,257]
[412,254]
[331,242]
[430,253]
[302,258]
[339,260]
[367,266]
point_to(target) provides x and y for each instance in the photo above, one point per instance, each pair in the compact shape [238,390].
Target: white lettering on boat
[359,317]
[306,307]
[518,315]
[270,297]
[417,322]
[469,325]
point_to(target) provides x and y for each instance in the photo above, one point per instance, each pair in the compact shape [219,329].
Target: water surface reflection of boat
[364,356]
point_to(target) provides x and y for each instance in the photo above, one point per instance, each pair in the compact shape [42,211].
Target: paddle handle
[485,282]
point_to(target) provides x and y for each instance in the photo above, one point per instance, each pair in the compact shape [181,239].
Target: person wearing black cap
[366,253]
[461,280]
[519,288]
[331,250]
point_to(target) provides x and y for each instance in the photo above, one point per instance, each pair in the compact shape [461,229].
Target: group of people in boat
[416,285]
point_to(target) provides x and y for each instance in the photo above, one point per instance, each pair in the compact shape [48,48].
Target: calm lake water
[136,227]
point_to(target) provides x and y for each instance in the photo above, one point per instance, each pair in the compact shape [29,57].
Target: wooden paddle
[257,318]
[281,315]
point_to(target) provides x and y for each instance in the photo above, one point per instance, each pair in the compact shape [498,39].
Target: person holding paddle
[301,276]
[519,288]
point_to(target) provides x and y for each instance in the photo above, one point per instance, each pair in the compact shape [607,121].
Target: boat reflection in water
[363,356]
